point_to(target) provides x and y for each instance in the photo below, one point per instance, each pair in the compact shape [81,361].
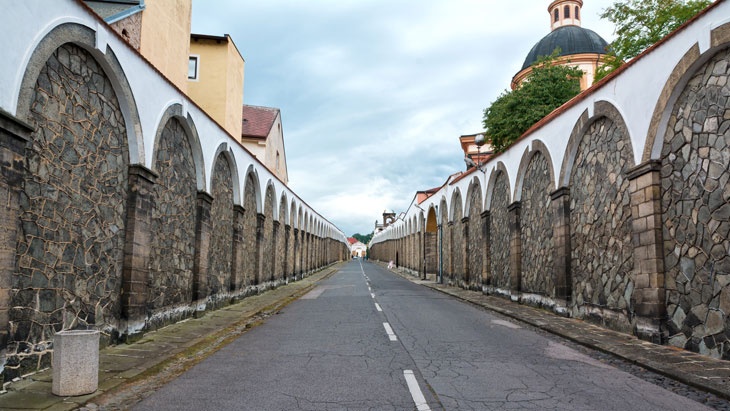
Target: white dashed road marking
[389,331]
[418,398]
[377,307]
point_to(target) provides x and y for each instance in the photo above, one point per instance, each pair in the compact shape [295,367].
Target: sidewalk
[128,371]
[704,373]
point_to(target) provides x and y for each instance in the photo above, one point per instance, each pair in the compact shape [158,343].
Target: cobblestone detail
[500,233]
[72,210]
[269,240]
[173,221]
[600,220]
[221,237]
[536,218]
[476,242]
[458,246]
[445,240]
[281,239]
[696,202]
[250,219]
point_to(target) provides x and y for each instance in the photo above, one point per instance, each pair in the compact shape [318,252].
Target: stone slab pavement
[129,371]
[699,371]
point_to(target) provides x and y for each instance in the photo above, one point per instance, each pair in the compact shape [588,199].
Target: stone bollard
[75,362]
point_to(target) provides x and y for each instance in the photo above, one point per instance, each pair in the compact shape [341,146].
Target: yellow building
[158,29]
[209,69]
[215,79]
[578,47]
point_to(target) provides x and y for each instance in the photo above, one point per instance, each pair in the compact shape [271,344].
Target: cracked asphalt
[329,351]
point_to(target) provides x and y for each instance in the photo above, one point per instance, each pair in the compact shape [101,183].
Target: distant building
[357,249]
[578,46]
[262,135]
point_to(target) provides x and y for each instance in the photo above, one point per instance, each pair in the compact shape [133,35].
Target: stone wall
[72,208]
[623,221]
[221,239]
[500,234]
[537,231]
[250,269]
[446,240]
[600,220]
[90,240]
[172,242]
[696,203]
[268,261]
[458,245]
[475,247]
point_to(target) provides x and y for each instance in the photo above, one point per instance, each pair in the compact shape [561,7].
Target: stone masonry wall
[696,202]
[72,210]
[458,242]
[537,228]
[500,233]
[268,262]
[600,220]
[173,221]
[221,216]
[446,240]
[475,247]
[249,229]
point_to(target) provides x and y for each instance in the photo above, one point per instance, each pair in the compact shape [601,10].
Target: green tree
[513,112]
[641,23]
[363,238]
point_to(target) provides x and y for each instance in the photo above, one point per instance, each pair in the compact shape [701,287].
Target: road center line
[418,398]
[391,334]
[372,295]
[377,307]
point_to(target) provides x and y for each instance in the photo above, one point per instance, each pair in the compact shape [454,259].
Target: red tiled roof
[258,121]
[351,240]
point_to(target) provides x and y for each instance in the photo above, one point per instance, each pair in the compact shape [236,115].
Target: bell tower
[565,13]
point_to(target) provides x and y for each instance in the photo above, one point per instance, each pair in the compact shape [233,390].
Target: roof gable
[258,121]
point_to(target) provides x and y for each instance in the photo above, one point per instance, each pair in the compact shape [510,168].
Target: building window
[193,67]
[278,160]
[577,12]
[566,12]
[556,15]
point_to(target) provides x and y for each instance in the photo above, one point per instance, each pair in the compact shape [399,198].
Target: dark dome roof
[570,39]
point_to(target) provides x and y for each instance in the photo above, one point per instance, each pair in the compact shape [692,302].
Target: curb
[684,366]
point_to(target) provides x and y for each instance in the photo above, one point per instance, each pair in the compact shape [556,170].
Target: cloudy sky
[374,94]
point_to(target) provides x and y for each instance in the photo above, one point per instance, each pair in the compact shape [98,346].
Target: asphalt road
[366,339]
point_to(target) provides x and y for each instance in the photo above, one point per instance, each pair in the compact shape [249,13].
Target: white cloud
[374,94]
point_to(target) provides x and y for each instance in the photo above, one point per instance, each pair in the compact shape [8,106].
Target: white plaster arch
[601,109]
[537,147]
[475,183]
[253,173]
[284,201]
[64,31]
[224,151]
[171,112]
[500,168]
[457,200]
[273,203]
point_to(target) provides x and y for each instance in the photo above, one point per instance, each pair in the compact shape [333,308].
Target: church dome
[571,40]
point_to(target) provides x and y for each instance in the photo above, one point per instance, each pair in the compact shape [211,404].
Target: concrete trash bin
[75,362]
